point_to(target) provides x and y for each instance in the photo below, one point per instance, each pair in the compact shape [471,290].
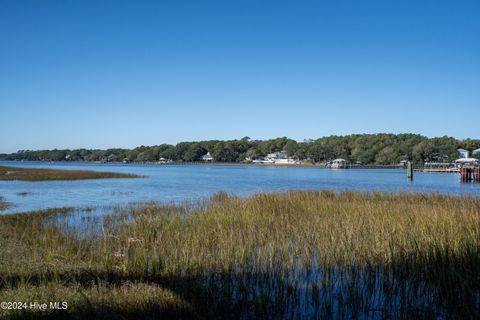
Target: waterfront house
[462,153]
[440,157]
[467,162]
[163,161]
[207,157]
[338,164]
[287,161]
[476,152]
[276,156]
[279,157]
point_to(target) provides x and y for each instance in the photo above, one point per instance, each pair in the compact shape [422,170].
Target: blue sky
[101,74]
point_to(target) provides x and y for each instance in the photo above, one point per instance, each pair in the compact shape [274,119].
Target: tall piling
[466,174]
[477,174]
[463,174]
[409,171]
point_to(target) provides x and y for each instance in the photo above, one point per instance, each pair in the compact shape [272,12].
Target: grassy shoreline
[39,174]
[3,204]
[284,255]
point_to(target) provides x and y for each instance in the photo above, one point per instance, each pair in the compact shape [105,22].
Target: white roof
[339,160]
[466,160]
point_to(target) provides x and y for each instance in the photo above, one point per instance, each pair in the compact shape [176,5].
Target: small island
[36,174]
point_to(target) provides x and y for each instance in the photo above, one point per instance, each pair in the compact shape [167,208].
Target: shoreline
[200,163]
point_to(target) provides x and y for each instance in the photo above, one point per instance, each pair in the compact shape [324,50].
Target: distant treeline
[379,149]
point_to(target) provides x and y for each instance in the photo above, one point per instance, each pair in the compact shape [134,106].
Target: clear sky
[101,74]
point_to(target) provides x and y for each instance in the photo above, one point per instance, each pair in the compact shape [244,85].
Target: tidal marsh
[36,174]
[3,204]
[287,255]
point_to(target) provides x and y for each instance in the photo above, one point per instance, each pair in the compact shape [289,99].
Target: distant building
[207,157]
[163,160]
[287,161]
[462,153]
[440,157]
[338,164]
[476,152]
[466,161]
[276,156]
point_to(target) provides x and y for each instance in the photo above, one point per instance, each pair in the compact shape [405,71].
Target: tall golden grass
[3,204]
[287,255]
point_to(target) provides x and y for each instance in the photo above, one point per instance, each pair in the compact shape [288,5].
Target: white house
[286,161]
[462,153]
[338,163]
[403,163]
[207,157]
[276,156]
[164,160]
[466,161]
[476,152]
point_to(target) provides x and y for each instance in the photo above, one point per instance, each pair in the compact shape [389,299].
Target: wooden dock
[470,174]
[467,173]
[440,170]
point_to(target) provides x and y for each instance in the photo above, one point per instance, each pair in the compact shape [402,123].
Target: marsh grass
[35,174]
[3,204]
[287,255]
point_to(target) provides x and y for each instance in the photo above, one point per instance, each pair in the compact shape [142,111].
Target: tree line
[381,149]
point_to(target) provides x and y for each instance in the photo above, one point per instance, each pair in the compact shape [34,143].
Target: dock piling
[409,171]
[468,174]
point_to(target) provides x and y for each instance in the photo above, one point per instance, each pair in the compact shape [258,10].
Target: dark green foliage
[365,148]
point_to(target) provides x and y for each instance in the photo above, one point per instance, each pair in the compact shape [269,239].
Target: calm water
[167,183]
